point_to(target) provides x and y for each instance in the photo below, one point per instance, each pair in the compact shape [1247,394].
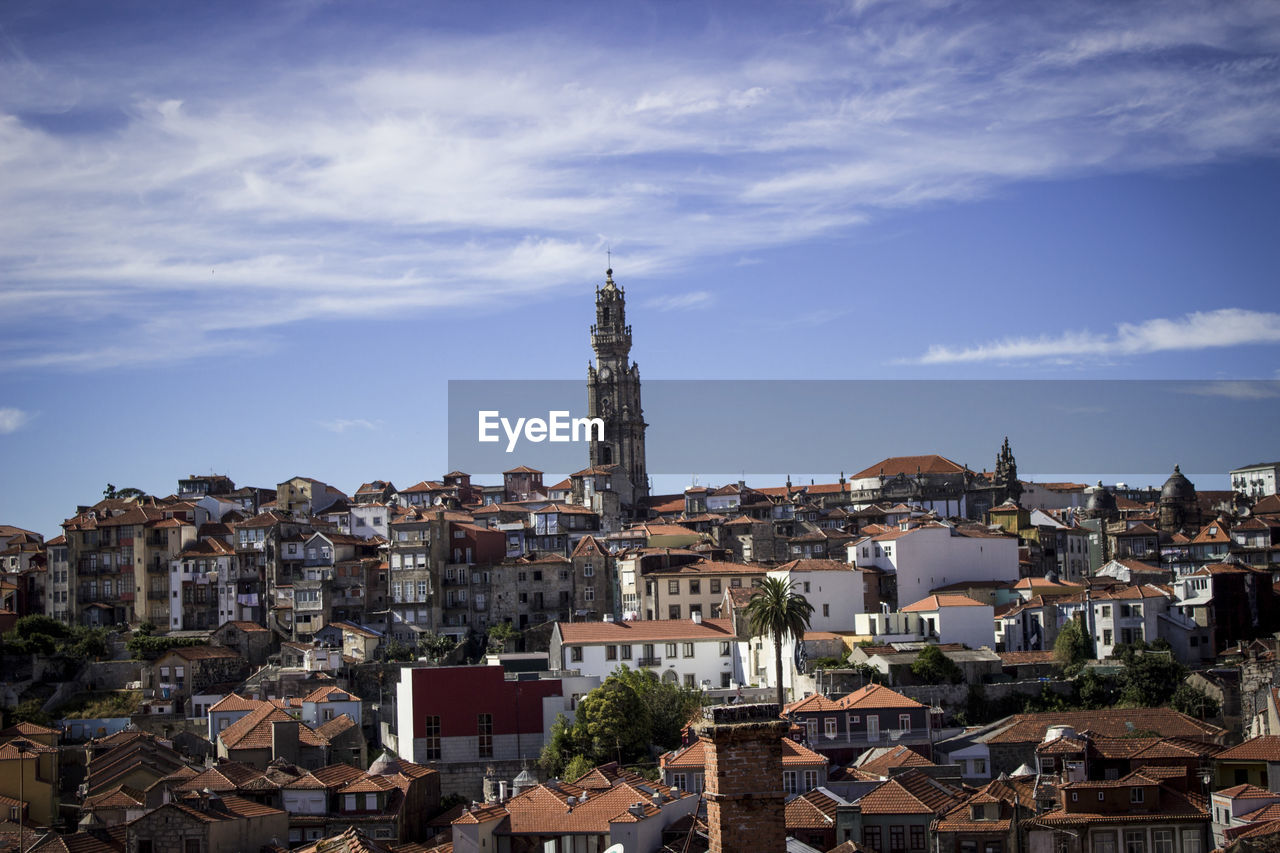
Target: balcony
[157,595]
[649,661]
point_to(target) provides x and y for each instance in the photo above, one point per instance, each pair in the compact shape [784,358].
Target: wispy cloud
[12,420]
[681,301]
[1236,390]
[1225,327]
[200,188]
[341,425]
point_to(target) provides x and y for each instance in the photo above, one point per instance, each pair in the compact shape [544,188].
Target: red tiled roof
[877,696]
[1262,748]
[910,465]
[934,602]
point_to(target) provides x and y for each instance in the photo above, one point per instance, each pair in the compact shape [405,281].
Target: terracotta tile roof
[877,696]
[1262,748]
[253,731]
[1174,806]
[935,602]
[881,761]
[234,702]
[25,729]
[710,567]
[119,797]
[910,793]
[648,630]
[1245,791]
[1021,658]
[1271,811]
[816,566]
[910,465]
[336,775]
[326,694]
[191,653]
[812,810]
[330,729]
[1113,722]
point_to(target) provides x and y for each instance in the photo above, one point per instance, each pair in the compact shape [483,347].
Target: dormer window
[1136,795]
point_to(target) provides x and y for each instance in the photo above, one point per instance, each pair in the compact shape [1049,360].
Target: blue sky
[259,238]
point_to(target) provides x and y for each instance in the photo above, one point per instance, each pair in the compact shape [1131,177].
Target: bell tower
[613,395]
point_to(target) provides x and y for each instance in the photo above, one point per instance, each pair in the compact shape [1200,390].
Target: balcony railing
[649,661]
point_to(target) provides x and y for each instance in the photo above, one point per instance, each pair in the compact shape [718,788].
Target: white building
[934,555]
[1256,481]
[836,590]
[693,652]
[956,619]
[1126,615]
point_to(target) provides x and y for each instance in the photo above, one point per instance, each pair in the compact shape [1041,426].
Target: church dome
[1100,499]
[1177,487]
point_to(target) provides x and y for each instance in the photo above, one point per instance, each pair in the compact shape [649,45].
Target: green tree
[1194,702]
[436,646]
[668,706]
[562,747]
[615,722]
[1149,677]
[777,611]
[578,767]
[931,666]
[397,651]
[1094,690]
[502,634]
[1072,648]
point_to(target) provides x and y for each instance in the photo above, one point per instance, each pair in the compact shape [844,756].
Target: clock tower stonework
[613,395]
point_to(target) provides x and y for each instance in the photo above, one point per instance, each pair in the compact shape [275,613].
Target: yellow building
[29,772]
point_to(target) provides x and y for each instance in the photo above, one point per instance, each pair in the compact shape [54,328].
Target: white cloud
[12,420]
[341,425]
[1225,327]
[445,171]
[681,301]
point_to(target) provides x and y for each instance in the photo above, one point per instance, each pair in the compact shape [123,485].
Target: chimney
[745,801]
[284,740]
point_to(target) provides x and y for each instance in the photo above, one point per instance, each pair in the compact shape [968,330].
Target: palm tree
[774,609]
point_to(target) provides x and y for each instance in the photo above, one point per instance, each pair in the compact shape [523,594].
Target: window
[371,802]
[349,802]
[671,650]
[789,781]
[677,781]
[1104,842]
[1135,841]
[673,612]
[1136,795]
[484,727]
[575,654]
[810,779]
[610,652]
[1191,841]
[191,845]
[1162,841]
[826,609]
[624,652]
[735,583]
[829,727]
[688,680]
[904,722]
[917,837]
[811,730]
[724,648]
[589,593]
[588,570]
[897,837]
[673,587]
[726,679]
[871,837]
[695,586]
[432,732]
[1106,611]
[979,765]
[715,586]
[688,650]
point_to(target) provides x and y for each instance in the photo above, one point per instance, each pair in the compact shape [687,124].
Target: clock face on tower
[605,374]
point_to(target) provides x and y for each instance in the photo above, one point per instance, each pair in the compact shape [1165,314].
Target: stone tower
[745,801]
[613,394]
[1179,508]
